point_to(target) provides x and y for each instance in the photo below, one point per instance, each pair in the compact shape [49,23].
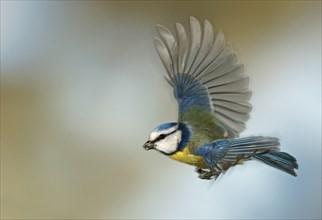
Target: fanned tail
[280,160]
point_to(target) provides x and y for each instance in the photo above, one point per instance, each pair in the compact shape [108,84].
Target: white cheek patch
[156,134]
[170,143]
[153,135]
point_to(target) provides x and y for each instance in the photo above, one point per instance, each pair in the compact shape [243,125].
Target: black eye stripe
[162,136]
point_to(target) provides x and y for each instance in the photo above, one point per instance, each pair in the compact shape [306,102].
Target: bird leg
[200,170]
[207,174]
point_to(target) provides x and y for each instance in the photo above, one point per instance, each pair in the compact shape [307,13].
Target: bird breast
[185,156]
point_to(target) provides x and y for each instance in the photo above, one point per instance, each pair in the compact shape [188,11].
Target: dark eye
[162,136]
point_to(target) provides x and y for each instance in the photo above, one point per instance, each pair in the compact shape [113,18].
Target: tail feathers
[280,160]
[264,149]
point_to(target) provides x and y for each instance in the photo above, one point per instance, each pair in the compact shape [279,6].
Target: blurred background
[82,86]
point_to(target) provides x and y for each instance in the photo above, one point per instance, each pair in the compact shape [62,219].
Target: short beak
[148,145]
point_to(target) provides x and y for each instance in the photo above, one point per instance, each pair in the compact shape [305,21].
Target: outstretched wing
[204,72]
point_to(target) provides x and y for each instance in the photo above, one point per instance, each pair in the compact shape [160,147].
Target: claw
[199,170]
[207,175]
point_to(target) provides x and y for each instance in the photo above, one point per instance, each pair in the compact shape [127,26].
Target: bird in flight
[212,92]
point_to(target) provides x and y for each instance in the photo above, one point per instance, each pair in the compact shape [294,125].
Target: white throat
[169,144]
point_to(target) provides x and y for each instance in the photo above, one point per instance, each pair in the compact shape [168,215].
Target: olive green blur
[206,127]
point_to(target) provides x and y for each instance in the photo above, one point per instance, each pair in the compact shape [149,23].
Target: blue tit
[212,92]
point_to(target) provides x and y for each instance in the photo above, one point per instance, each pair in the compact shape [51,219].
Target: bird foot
[207,174]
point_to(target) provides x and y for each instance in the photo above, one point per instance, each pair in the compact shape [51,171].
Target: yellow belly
[185,157]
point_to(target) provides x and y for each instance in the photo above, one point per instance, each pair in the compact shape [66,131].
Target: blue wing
[204,72]
[228,152]
[225,153]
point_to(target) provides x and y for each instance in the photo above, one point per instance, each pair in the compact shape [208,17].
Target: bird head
[168,138]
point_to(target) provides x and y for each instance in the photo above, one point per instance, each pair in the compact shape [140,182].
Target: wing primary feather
[167,36]
[195,30]
[227,66]
[238,110]
[165,56]
[221,59]
[183,47]
[206,44]
[231,123]
[233,96]
[236,116]
[237,86]
[236,72]
[170,43]
[234,106]
[168,80]
[217,47]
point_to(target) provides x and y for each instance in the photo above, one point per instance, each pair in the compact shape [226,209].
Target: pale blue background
[82,86]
